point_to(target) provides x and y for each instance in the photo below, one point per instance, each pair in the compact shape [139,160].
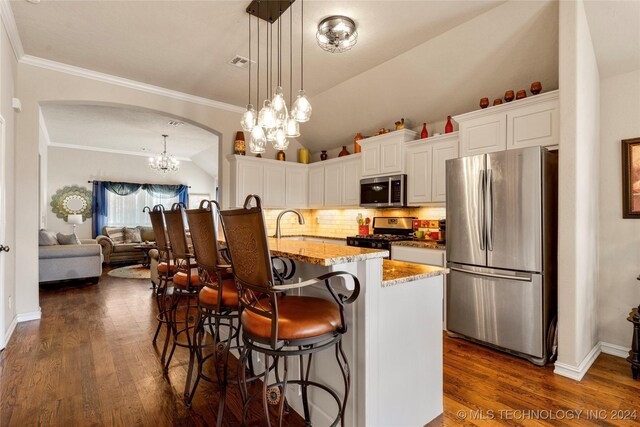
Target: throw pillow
[132,235]
[47,238]
[68,239]
[115,233]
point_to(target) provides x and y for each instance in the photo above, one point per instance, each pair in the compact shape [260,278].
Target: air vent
[175,123]
[240,62]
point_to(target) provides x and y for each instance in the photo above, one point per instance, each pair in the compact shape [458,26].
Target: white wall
[7,92]
[619,238]
[69,166]
[578,195]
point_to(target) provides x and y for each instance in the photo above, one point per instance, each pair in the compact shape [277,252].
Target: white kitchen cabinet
[274,192]
[384,154]
[333,181]
[246,178]
[527,122]
[316,186]
[444,149]
[426,168]
[351,184]
[419,172]
[296,186]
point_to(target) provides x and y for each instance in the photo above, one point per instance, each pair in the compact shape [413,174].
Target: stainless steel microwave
[384,192]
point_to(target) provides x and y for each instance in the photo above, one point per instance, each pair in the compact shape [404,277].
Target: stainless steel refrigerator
[501,250]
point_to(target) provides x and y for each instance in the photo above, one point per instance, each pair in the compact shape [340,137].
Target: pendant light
[292,127]
[258,140]
[248,120]
[301,109]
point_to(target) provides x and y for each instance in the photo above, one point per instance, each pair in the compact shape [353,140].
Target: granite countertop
[321,253]
[424,243]
[397,272]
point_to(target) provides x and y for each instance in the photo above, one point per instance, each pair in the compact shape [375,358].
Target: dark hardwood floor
[90,361]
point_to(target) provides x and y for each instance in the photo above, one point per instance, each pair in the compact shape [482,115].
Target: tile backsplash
[340,222]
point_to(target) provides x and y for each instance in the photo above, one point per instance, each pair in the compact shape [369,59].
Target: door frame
[3,230]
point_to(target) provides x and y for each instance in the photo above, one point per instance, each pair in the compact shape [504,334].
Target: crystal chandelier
[275,123]
[164,162]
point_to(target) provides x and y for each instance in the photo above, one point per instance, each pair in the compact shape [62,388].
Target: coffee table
[145,248]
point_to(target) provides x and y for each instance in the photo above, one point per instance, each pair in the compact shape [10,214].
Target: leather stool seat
[162,268]
[181,279]
[298,318]
[209,296]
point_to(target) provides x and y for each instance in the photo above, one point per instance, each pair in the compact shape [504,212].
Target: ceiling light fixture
[337,34]
[164,162]
[274,122]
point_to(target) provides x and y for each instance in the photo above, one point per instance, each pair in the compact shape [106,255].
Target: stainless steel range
[385,230]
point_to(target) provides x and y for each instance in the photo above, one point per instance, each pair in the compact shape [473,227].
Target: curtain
[99,205]
[121,188]
[182,191]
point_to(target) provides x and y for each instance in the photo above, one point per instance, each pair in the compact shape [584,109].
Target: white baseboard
[614,349]
[578,372]
[32,315]
[7,335]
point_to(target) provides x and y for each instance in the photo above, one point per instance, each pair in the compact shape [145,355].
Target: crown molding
[131,84]
[11,28]
[110,150]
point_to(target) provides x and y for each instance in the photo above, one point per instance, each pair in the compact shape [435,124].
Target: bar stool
[217,302]
[281,326]
[186,284]
[166,270]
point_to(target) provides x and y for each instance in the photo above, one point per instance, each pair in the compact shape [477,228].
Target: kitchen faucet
[295,211]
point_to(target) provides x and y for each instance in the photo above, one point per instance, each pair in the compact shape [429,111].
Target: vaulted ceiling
[421,60]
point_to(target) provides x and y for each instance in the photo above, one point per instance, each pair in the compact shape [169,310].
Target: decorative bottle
[356,146]
[424,133]
[448,128]
[344,151]
[324,155]
[281,156]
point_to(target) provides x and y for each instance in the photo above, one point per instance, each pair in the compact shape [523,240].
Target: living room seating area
[65,257]
[119,243]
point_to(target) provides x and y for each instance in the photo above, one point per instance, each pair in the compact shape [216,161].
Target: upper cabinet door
[418,174]
[316,187]
[296,194]
[390,157]
[533,125]
[351,186]
[442,151]
[370,159]
[249,181]
[333,182]
[483,135]
[274,186]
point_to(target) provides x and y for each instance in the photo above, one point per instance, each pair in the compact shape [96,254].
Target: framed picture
[631,178]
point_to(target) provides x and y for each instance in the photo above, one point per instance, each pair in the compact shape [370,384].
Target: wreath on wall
[71,199]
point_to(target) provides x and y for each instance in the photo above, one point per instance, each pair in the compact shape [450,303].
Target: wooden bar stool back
[281,326]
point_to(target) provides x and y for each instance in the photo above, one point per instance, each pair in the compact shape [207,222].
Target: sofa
[71,261]
[118,246]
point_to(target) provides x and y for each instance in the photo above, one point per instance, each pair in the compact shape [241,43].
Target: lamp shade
[74,219]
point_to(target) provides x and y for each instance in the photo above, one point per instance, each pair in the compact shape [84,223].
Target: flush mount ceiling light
[337,34]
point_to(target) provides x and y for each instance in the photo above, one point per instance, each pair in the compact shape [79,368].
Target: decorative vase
[344,151]
[509,95]
[281,156]
[497,101]
[484,102]
[356,146]
[303,156]
[521,94]
[259,155]
[323,155]
[424,133]
[448,128]
[239,146]
[536,88]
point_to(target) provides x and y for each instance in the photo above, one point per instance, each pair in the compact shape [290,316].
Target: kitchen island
[394,337]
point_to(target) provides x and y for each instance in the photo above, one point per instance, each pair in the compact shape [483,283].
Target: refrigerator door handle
[490,226]
[492,275]
[481,216]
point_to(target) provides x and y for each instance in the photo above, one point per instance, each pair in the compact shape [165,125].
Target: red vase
[344,151]
[448,128]
[424,133]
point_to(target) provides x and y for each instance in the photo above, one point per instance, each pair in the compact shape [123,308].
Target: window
[127,210]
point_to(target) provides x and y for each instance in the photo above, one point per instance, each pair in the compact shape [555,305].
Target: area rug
[131,272]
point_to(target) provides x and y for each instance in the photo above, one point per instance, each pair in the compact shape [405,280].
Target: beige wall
[7,92]
[69,166]
[619,238]
[578,181]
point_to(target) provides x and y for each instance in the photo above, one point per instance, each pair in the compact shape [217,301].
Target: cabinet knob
[4,248]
